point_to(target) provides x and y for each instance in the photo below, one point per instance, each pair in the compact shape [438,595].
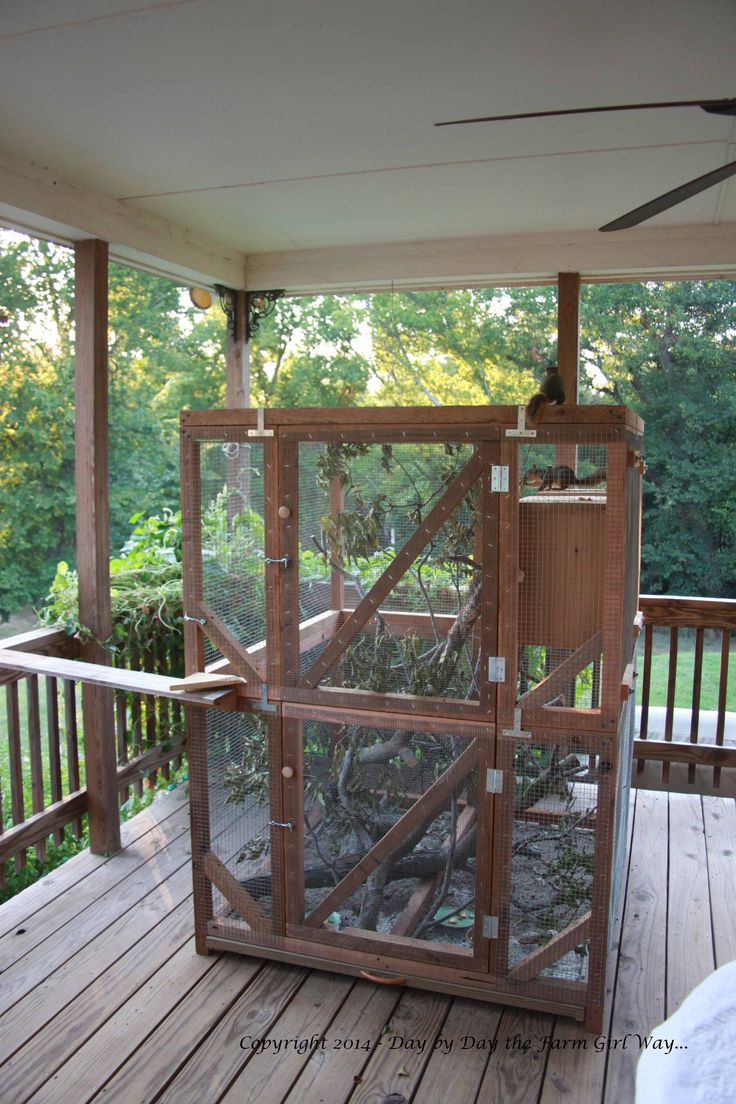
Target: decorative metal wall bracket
[229,305]
[259,305]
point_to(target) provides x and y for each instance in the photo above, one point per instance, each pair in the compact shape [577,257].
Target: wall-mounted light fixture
[200,298]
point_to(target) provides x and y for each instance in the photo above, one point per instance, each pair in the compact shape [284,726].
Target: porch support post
[93,536]
[568,332]
[237,360]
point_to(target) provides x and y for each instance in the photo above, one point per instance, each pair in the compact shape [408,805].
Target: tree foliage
[163,355]
[665,349]
[669,352]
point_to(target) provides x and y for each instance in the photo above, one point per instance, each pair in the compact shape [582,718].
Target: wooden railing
[689,746]
[42,777]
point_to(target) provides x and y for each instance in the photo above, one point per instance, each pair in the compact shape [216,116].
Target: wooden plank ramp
[106,1000]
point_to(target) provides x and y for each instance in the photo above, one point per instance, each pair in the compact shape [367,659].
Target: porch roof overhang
[293,145]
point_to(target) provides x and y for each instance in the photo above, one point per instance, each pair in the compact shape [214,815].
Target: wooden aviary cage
[423,776]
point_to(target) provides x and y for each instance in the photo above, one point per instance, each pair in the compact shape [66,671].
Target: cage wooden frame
[493,726]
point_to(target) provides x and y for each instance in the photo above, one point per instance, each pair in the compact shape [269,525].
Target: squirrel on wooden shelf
[559,477]
[551,390]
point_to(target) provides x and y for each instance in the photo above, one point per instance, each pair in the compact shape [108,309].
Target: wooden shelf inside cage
[370,785]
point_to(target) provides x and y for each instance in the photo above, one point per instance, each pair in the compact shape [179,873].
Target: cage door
[389,586]
[390,842]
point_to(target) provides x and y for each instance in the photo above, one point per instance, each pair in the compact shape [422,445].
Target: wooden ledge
[137,682]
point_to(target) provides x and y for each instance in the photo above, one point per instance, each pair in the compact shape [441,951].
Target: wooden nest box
[422,777]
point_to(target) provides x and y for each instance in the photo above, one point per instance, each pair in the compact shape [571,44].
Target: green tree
[164,355]
[668,350]
[454,347]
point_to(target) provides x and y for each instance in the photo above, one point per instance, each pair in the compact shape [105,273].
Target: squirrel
[552,390]
[561,477]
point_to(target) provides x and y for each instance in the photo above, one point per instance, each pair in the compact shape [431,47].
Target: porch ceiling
[292,143]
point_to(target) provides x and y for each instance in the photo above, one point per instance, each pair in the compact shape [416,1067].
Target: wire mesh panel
[390,834]
[317,496]
[562,535]
[238,810]
[620,827]
[553,813]
[631,544]
[424,580]
[232,537]
[392,544]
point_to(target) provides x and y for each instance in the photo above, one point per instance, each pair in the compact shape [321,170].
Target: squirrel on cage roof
[552,390]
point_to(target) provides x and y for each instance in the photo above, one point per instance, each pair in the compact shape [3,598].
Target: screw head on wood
[284,512]
[287,772]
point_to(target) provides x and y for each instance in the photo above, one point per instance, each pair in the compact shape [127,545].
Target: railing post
[93,536]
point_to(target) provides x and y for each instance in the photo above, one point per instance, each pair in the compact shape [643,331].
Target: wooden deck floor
[103,997]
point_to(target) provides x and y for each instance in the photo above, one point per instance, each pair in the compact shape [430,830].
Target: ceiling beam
[35,199]
[669,252]
[38,201]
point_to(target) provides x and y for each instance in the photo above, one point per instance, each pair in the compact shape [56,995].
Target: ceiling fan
[662,202]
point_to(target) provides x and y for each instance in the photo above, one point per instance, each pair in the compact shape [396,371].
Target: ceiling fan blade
[715,107]
[671,199]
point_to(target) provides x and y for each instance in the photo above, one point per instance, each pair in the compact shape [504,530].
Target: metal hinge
[500,478]
[496,669]
[490,927]
[494,781]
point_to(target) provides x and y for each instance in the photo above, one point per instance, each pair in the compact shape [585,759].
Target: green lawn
[684,684]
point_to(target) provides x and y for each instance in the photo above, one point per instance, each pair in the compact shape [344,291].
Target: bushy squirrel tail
[534,405]
[592,480]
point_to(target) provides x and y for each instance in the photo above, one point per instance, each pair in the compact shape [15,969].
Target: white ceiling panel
[293,125]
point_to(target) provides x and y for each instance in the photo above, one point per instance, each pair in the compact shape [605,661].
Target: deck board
[108,1001]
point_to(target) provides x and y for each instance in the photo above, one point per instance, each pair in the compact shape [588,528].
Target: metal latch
[261,430]
[517,731]
[281,824]
[196,620]
[279,559]
[521,430]
[264,706]
[490,927]
[500,478]
[494,781]
[496,668]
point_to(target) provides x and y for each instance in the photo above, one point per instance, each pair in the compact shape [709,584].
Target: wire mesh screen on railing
[562,527]
[390,833]
[239,813]
[395,520]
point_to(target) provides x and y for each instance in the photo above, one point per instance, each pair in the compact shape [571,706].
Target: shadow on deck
[103,997]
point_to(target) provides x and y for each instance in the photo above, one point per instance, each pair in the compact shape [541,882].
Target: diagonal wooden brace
[438,792]
[236,894]
[562,675]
